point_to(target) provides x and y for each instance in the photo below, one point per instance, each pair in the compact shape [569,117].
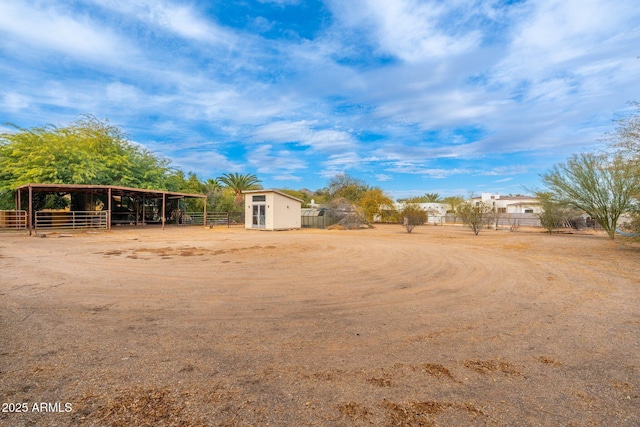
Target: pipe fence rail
[213,218]
[72,220]
[12,220]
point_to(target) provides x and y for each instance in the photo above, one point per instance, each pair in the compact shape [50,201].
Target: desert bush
[413,215]
[474,216]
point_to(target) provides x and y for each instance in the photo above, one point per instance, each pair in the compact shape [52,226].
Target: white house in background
[271,210]
[509,204]
[435,211]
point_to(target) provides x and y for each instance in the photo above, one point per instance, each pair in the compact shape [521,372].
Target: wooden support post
[137,209]
[18,209]
[204,213]
[30,219]
[143,210]
[163,208]
[109,210]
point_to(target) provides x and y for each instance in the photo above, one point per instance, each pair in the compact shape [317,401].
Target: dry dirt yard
[200,327]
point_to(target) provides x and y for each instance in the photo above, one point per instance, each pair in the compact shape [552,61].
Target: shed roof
[272,190]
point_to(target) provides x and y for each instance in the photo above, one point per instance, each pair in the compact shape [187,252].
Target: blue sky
[412,96]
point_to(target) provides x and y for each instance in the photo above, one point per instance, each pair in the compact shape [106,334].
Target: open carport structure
[101,206]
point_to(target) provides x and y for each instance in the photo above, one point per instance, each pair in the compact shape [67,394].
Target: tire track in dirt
[350,328]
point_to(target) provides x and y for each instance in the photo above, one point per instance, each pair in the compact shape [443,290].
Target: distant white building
[435,211]
[509,204]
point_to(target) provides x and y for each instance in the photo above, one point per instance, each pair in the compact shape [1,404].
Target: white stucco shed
[271,210]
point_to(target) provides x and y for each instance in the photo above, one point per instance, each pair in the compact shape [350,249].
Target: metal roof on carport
[104,189]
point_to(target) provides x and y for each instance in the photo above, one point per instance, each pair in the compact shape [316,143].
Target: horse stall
[80,206]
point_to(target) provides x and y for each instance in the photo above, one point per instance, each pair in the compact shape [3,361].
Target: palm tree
[432,198]
[212,185]
[239,183]
[454,203]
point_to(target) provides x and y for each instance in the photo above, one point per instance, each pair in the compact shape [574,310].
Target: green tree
[321,196]
[88,151]
[413,215]
[298,194]
[345,186]
[193,185]
[7,200]
[238,183]
[426,198]
[602,186]
[553,213]
[225,201]
[625,142]
[375,204]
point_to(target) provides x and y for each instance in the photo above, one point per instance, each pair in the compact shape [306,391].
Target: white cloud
[179,19]
[506,170]
[574,36]
[304,133]
[439,173]
[15,102]
[386,87]
[208,163]
[330,140]
[54,29]
[343,160]
[411,30]
[266,160]
[283,131]
[286,177]
[120,92]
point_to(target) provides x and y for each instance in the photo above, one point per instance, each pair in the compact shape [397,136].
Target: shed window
[528,211]
[262,198]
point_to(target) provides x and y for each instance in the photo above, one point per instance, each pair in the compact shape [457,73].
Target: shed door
[258,216]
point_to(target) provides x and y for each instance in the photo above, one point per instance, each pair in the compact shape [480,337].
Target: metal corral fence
[72,220]
[515,220]
[436,219]
[512,220]
[213,218]
[13,220]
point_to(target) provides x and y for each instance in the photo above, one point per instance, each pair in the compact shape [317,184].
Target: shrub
[413,215]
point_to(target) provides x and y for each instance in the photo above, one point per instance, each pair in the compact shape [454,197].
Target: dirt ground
[215,327]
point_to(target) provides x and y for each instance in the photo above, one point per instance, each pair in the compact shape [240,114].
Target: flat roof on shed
[271,190]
